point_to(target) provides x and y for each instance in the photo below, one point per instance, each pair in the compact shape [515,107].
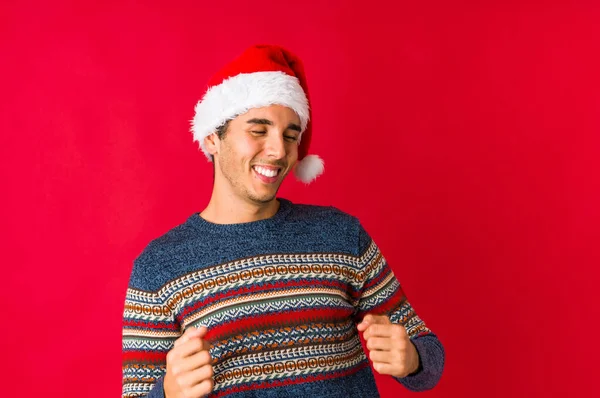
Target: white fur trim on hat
[309,168]
[238,94]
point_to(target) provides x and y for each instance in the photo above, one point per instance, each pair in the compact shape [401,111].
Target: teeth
[266,172]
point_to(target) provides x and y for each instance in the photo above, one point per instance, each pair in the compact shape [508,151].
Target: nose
[275,146]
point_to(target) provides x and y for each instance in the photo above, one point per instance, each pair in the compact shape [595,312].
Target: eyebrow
[291,126]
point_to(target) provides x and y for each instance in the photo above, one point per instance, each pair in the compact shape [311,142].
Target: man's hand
[189,368]
[389,347]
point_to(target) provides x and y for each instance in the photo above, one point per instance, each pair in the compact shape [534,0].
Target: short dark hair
[221,131]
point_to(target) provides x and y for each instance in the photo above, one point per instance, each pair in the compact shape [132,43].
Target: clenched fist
[390,349]
[189,369]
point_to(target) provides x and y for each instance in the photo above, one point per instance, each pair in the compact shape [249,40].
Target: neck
[233,210]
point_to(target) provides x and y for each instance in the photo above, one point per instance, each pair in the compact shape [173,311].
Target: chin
[262,197]
[262,194]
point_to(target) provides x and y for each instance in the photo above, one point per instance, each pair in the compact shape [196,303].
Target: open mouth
[267,174]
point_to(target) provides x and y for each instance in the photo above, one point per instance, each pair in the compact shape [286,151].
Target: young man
[257,296]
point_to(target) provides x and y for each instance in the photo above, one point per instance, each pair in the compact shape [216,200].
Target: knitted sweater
[280,297]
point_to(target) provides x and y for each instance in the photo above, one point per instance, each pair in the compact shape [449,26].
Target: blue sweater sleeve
[158,391]
[382,294]
[431,358]
[149,331]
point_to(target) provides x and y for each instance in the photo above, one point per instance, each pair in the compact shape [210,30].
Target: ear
[212,143]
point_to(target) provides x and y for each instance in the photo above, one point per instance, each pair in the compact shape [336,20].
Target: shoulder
[323,215]
[160,259]
[329,224]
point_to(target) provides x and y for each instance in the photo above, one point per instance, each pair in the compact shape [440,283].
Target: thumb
[371,319]
[191,333]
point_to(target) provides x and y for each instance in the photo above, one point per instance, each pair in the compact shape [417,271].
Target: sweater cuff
[431,358]
[158,391]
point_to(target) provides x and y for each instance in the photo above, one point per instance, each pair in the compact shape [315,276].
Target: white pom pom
[309,168]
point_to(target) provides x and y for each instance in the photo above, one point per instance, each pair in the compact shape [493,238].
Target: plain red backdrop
[465,137]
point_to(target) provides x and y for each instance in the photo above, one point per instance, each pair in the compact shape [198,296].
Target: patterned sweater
[281,298]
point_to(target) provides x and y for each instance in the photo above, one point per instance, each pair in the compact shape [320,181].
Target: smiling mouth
[267,171]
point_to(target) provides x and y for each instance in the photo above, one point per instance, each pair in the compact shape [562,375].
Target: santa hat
[262,76]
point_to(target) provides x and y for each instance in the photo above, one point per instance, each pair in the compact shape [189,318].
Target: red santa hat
[263,75]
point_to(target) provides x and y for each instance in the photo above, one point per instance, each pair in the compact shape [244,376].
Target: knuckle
[207,386]
[205,357]
[399,331]
[195,344]
[170,356]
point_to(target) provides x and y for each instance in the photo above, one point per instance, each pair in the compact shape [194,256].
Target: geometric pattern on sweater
[274,319]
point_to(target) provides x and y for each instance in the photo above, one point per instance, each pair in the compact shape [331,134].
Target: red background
[465,137]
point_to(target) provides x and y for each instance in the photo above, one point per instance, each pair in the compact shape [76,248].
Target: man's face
[258,150]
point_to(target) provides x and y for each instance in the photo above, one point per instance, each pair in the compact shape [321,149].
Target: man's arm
[402,344]
[149,331]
